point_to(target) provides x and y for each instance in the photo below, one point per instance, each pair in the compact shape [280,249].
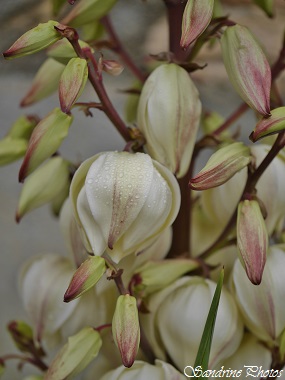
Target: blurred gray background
[142,27]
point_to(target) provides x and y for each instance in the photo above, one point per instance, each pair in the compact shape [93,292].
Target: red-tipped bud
[247,68]
[126,328]
[269,125]
[111,67]
[196,17]
[252,239]
[222,165]
[86,276]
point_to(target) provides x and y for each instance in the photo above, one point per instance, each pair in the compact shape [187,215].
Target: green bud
[92,31]
[22,335]
[62,51]
[11,150]
[269,125]
[126,328]
[86,276]
[57,5]
[211,121]
[252,239]
[196,17]
[247,67]
[42,186]
[45,140]
[34,40]
[58,201]
[23,127]
[87,11]
[156,275]
[132,102]
[75,355]
[222,166]
[266,6]
[72,83]
[44,83]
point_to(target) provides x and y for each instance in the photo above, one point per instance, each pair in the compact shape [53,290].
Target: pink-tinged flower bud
[22,335]
[44,83]
[196,17]
[222,166]
[168,116]
[34,40]
[252,239]
[86,276]
[261,306]
[62,51]
[72,83]
[126,328]
[43,185]
[142,371]
[86,11]
[247,67]
[75,355]
[111,67]
[122,202]
[45,140]
[269,125]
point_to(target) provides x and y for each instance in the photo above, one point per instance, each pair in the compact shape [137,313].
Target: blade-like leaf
[203,353]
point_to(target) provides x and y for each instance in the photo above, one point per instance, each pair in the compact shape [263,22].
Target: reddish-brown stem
[108,107]
[120,50]
[25,359]
[231,119]
[175,9]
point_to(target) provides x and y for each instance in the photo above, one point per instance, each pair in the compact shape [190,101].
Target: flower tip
[18,217]
[68,296]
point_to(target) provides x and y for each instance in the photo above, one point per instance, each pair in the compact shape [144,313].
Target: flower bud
[122,202]
[43,303]
[75,355]
[23,127]
[270,125]
[222,166]
[87,11]
[156,275]
[262,306]
[178,335]
[247,68]
[22,335]
[111,67]
[168,115]
[85,277]
[142,371]
[196,17]
[34,40]
[126,328]
[62,51]
[45,140]
[252,239]
[11,150]
[43,185]
[72,83]
[44,83]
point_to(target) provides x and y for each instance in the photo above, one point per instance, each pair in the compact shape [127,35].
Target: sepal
[269,125]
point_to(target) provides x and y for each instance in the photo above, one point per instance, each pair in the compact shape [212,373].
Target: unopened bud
[86,276]
[196,17]
[72,83]
[11,150]
[247,68]
[111,67]
[22,334]
[86,11]
[222,166]
[34,40]
[252,239]
[75,355]
[266,6]
[156,275]
[126,328]
[45,140]
[43,185]
[23,127]
[269,125]
[44,83]
[168,116]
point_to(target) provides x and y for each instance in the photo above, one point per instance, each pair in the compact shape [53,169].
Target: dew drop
[89,180]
